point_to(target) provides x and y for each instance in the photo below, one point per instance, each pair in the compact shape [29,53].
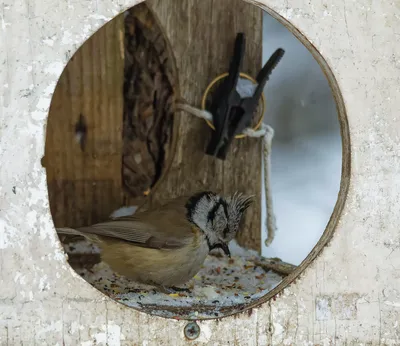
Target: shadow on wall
[307,152]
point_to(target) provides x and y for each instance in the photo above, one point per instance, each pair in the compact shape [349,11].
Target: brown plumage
[165,246]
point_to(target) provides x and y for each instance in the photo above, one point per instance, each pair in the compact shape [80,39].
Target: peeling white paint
[60,256]
[278,328]
[111,336]
[76,327]
[323,310]
[7,234]
[31,217]
[289,13]
[394,304]
[54,68]
[114,335]
[67,38]
[49,42]
[99,17]
[346,269]
[87,29]
[205,333]
[43,283]
[52,327]
[20,278]
[3,23]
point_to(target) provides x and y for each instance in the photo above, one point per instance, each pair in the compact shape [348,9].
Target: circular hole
[112,139]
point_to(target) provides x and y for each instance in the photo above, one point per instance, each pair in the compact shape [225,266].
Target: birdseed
[222,282]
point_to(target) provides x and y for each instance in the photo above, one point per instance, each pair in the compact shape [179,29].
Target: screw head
[192,331]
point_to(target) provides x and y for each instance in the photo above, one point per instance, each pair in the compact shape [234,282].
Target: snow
[306,151]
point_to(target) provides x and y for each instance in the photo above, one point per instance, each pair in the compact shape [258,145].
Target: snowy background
[306,154]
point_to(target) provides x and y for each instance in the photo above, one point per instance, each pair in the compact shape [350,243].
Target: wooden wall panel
[85,186]
[202,35]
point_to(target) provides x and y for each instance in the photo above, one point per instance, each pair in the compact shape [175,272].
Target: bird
[166,246]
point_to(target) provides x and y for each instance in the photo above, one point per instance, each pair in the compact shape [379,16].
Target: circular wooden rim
[342,195]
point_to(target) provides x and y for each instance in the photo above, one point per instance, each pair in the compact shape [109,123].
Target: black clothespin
[225,98]
[232,114]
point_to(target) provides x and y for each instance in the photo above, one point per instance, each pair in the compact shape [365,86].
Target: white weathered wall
[349,295]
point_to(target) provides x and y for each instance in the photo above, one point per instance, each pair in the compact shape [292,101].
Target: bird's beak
[225,248]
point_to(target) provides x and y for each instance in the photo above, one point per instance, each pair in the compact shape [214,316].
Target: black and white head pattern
[218,217]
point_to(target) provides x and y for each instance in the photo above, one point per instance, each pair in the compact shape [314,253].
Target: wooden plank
[202,34]
[85,186]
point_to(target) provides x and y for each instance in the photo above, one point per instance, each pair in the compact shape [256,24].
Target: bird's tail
[71,231]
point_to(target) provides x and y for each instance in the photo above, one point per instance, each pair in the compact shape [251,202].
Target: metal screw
[192,330]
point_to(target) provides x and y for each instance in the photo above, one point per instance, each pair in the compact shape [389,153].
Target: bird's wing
[163,228]
[165,223]
[136,232]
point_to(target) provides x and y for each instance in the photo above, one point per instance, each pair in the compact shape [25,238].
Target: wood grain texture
[85,186]
[202,35]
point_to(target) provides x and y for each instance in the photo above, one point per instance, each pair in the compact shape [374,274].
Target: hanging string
[265,132]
